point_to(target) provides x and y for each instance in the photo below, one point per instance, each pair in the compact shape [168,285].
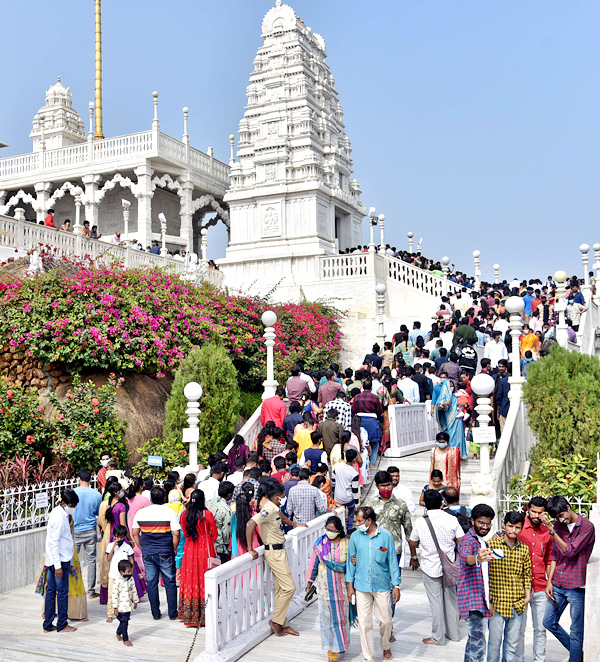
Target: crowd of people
[316,453]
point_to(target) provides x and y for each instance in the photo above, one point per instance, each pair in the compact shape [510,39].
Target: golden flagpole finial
[98,78]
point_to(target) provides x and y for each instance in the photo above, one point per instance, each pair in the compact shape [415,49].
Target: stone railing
[26,236]
[144,144]
[384,268]
[240,595]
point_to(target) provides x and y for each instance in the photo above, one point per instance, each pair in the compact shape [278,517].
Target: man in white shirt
[495,350]
[59,554]
[210,486]
[410,389]
[448,338]
[307,378]
[443,600]
[402,491]
[238,475]
[502,324]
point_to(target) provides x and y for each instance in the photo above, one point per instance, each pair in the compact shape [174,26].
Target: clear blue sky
[474,124]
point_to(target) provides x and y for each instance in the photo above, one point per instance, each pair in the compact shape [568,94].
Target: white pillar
[515,306]
[204,247]
[445,271]
[186,230]
[191,434]
[90,205]
[372,224]
[596,266]
[144,193]
[42,190]
[20,219]
[90,142]
[585,258]
[476,255]
[381,289]
[410,236]
[560,307]
[382,240]
[496,273]
[231,149]
[483,385]
[42,119]
[77,192]
[126,204]
[163,233]
[269,318]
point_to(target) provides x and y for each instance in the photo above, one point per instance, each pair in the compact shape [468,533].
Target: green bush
[85,423]
[562,394]
[250,402]
[173,452]
[212,368]
[23,429]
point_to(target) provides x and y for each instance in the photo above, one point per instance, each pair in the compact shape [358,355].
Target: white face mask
[104,462]
[121,494]
[69,510]
[331,534]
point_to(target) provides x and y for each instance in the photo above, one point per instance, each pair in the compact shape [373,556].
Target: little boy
[117,551]
[123,595]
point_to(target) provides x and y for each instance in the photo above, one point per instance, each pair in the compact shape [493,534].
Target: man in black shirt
[422,382]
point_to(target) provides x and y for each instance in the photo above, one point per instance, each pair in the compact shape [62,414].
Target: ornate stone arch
[13,201]
[166,181]
[60,193]
[213,205]
[124,182]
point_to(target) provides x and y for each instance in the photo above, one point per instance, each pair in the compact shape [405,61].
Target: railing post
[20,228]
[127,256]
[211,637]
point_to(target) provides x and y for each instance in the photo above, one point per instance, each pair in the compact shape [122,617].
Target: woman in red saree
[200,530]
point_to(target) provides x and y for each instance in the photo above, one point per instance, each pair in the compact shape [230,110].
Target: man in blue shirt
[371,573]
[527,299]
[416,332]
[85,518]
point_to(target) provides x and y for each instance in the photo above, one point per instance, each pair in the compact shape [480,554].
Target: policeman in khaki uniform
[269,519]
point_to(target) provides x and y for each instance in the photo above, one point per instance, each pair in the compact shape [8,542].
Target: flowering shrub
[22,425]
[145,320]
[85,423]
[30,469]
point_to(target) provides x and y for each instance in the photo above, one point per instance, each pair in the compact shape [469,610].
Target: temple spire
[98,77]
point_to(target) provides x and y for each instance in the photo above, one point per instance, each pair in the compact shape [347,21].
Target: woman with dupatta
[327,566]
[446,412]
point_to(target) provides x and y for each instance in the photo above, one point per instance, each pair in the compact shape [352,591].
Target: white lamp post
[91,113]
[373,220]
[191,434]
[381,289]
[483,385]
[585,258]
[231,149]
[410,236]
[560,307]
[476,255]
[204,244]
[445,271]
[163,233]
[186,136]
[382,241]
[496,273]
[126,204]
[515,306]
[77,192]
[269,318]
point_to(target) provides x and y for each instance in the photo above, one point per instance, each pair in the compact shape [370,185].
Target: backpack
[462,516]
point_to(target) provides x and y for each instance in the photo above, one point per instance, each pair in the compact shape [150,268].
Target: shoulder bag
[450,571]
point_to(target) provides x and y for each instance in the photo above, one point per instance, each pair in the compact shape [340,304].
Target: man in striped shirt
[156,532]
[346,485]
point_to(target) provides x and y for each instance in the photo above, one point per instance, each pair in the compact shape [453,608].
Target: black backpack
[462,516]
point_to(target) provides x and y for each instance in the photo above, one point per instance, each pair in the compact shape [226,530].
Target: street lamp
[496,273]
[191,435]
[77,193]
[381,289]
[445,271]
[126,204]
[373,220]
[476,255]
[382,241]
[596,266]
[269,318]
[560,307]
[163,232]
[483,385]
[585,258]
[515,306]
[410,236]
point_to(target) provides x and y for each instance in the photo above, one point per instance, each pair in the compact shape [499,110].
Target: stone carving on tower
[62,125]
[292,190]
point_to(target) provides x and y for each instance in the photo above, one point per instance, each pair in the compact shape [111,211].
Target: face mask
[362,527]
[441,445]
[104,463]
[120,542]
[386,494]
[69,510]
[128,576]
[121,494]
[331,534]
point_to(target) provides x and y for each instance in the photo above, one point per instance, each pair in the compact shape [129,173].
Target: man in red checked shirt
[535,535]
[573,538]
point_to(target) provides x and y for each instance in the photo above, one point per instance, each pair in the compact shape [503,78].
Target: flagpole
[98,78]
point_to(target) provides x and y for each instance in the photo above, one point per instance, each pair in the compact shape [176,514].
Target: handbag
[213,561]
[450,571]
